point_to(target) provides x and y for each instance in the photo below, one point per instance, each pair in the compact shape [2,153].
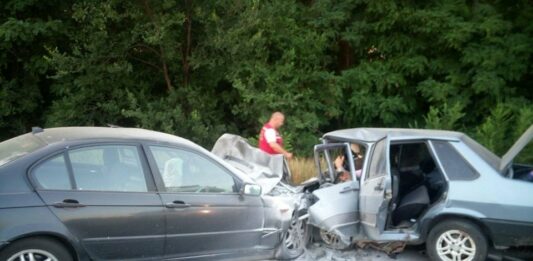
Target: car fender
[441,212]
[18,223]
[278,212]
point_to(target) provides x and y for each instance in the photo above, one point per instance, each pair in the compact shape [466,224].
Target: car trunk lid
[508,157]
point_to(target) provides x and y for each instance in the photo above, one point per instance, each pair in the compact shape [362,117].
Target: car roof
[62,134]
[66,134]
[375,134]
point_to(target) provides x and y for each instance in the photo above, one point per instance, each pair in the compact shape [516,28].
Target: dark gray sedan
[89,193]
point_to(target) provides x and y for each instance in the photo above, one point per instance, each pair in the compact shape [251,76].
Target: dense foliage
[199,68]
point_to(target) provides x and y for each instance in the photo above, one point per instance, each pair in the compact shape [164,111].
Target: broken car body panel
[336,210]
[265,169]
[376,191]
[269,171]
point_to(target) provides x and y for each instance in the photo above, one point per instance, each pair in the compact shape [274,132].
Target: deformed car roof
[375,134]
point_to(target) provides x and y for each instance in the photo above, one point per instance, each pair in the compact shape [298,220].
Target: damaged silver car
[393,187]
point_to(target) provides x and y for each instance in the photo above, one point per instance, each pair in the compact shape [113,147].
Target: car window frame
[34,181]
[366,157]
[158,177]
[387,141]
[414,141]
[150,183]
[430,148]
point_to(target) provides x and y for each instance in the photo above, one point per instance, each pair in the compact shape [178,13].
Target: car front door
[206,216]
[376,191]
[106,198]
[336,210]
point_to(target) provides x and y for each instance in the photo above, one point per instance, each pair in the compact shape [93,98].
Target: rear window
[17,147]
[483,152]
[453,163]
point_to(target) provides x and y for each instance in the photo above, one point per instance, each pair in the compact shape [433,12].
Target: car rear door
[106,198]
[336,208]
[205,214]
[376,191]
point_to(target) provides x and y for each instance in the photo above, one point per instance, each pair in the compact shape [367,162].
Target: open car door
[376,191]
[336,208]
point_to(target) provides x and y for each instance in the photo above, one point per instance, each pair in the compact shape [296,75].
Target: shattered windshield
[17,147]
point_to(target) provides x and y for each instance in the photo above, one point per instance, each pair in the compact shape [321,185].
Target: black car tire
[41,248]
[448,235]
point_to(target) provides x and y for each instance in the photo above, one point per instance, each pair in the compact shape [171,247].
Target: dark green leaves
[199,68]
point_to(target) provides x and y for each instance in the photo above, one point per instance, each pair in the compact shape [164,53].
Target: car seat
[172,173]
[411,205]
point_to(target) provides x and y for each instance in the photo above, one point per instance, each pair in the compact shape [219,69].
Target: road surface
[319,253]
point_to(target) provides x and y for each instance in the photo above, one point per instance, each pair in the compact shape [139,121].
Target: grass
[302,169]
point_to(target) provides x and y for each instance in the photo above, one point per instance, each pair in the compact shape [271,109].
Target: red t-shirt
[268,135]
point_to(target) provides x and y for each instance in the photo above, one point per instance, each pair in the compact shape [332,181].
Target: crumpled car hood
[265,169]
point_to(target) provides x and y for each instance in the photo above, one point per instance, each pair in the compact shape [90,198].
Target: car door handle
[177,204]
[379,187]
[347,189]
[68,203]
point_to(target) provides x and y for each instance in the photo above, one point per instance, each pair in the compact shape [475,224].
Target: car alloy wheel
[294,238]
[33,255]
[455,245]
[457,239]
[293,241]
[35,249]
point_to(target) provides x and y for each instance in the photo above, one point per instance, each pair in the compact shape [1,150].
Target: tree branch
[164,65]
[146,62]
[186,51]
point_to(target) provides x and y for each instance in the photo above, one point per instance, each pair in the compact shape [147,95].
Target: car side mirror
[250,189]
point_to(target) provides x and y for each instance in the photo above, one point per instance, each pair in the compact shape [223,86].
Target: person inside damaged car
[341,165]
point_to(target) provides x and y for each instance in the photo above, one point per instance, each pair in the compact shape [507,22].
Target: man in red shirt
[269,139]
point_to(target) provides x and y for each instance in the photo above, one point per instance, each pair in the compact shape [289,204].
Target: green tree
[27,29]
[201,68]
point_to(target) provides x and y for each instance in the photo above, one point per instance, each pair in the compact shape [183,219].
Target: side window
[53,174]
[406,157]
[108,168]
[378,165]
[454,164]
[185,171]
